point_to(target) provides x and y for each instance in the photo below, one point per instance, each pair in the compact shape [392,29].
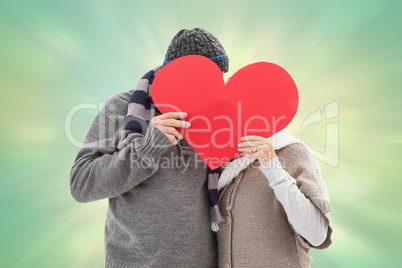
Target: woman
[274,204]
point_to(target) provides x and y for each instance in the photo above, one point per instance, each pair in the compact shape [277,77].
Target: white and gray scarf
[139,113]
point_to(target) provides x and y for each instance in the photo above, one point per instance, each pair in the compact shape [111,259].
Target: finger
[170,131]
[174,123]
[170,136]
[252,138]
[173,131]
[252,143]
[251,149]
[177,134]
[172,139]
[173,115]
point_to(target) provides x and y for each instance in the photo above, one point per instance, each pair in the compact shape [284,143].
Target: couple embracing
[267,207]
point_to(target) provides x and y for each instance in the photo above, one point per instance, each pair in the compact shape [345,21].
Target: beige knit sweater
[257,232]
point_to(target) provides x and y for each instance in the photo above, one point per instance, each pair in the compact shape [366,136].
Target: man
[156,185]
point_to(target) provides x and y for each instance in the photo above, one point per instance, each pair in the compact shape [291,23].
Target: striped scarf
[139,113]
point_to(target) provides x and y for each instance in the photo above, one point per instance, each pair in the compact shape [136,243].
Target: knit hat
[197,41]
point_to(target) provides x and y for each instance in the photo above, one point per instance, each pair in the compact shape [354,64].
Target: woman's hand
[257,147]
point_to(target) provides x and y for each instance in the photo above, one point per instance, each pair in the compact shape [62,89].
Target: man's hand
[257,147]
[168,122]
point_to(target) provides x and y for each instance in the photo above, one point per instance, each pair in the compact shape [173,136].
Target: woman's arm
[304,216]
[297,187]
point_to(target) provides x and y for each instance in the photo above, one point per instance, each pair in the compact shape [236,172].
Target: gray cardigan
[158,209]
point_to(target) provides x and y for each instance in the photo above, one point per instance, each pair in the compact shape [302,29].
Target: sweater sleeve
[300,195]
[100,170]
[305,218]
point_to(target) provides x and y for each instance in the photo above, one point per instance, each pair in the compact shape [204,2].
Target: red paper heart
[259,99]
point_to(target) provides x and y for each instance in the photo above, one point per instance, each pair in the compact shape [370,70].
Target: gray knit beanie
[197,41]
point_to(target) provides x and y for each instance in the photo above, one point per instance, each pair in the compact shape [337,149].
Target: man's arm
[99,170]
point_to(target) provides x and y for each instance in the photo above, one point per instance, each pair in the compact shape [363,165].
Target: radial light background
[56,55]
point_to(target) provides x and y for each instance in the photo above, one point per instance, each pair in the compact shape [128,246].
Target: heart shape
[259,99]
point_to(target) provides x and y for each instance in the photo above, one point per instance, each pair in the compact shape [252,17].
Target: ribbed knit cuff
[148,151]
[153,144]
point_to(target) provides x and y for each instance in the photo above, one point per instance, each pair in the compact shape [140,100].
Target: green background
[56,55]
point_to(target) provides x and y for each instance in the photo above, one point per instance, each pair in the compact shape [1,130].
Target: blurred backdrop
[345,57]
